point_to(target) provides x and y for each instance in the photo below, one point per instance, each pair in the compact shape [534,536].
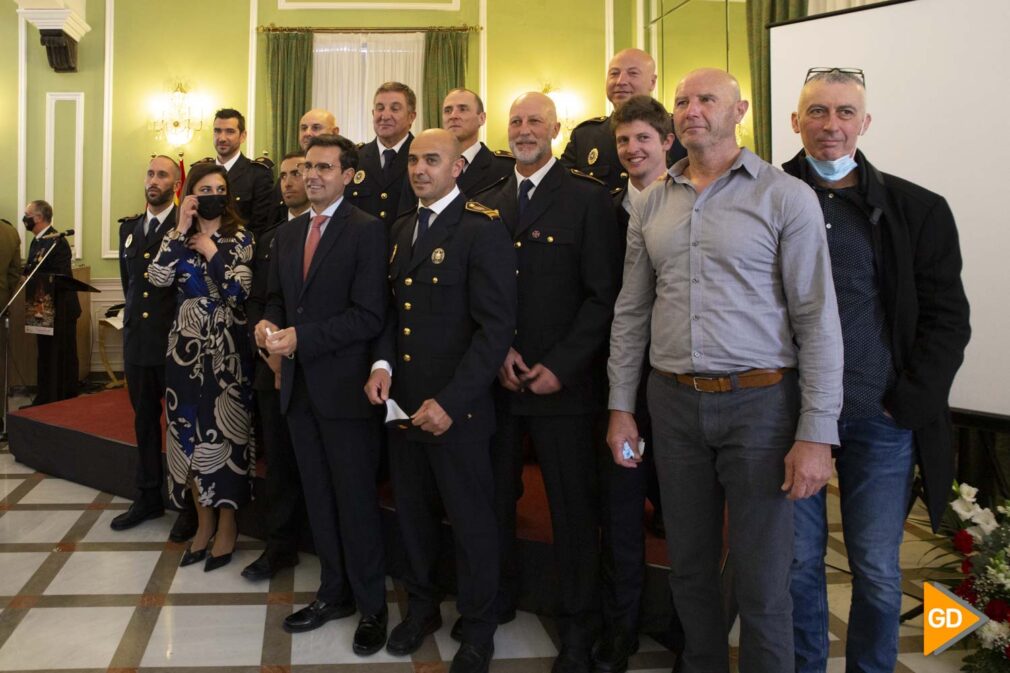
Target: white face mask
[832,170]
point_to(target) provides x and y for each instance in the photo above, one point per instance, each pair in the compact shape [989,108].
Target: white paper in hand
[394,412]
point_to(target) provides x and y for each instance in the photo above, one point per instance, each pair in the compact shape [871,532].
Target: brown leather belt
[752,378]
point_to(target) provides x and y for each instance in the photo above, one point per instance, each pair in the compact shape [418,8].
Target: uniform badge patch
[359,177]
[129,241]
[594,154]
[535,234]
[438,256]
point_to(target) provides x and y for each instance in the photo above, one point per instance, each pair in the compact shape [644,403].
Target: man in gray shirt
[727,270]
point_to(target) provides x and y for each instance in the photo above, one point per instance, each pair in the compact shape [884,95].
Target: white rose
[965,509]
[986,520]
[967,492]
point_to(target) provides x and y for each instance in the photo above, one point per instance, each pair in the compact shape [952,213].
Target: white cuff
[382,364]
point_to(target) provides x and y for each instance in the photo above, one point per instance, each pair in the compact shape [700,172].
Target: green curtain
[760,13]
[289,70]
[445,56]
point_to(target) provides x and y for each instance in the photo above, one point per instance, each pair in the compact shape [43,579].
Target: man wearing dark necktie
[380,185]
[327,289]
[452,272]
[147,319]
[566,238]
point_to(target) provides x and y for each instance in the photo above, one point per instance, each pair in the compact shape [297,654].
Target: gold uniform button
[145,274]
[147,255]
[624,174]
[145,314]
[354,193]
[146,294]
[406,306]
[382,213]
[402,426]
[434,280]
[519,244]
[591,173]
[517,272]
[406,357]
[239,198]
[469,416]
[408,281]
[384,196]
[406,331]
[550,239]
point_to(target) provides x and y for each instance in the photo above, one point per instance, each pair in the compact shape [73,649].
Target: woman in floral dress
[208,397]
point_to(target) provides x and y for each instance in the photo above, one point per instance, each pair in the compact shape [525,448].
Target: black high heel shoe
[215,562]
[190,557]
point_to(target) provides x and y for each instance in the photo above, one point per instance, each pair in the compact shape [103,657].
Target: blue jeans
[875,464]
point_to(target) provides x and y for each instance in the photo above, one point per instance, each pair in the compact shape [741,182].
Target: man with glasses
[897,270]
[727,270]
[327,289]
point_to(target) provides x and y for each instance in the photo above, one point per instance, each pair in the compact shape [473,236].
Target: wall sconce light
[569,108]
[176,117]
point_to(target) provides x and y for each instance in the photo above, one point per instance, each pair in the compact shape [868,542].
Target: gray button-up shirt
[736,278]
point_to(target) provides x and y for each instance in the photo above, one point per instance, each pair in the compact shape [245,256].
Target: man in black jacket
[563,227]
[147,320]
[251,183]
[327,289]
[56,365]
[897,269]
[463,115]
[452,272]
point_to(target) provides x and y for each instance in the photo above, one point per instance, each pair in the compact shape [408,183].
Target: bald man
[591,149]
[727,271]
[564,229]
[452,318]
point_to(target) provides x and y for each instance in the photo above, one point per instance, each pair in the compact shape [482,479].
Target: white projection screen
[938,89]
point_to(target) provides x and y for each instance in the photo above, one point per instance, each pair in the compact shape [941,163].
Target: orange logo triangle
[947,618]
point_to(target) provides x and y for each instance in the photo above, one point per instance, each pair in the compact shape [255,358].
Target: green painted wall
[531,43]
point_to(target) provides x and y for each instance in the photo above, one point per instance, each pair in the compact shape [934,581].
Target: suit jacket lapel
[439,231]
[475,171]
[370,162]
[399,256]
[334,229]
[508,205]
[541,199]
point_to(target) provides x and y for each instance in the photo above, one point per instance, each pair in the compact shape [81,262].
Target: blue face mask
[832,170]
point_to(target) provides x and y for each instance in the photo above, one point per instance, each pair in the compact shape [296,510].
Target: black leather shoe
[370,635]
[315,614]
[408,635]
[612,654]
[215,562]
[191,557]
[184,527]
[138,513]
[572,660]
[472,658]
[267,565]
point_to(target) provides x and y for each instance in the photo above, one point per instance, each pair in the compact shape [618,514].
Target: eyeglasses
[854,72]
[321,168]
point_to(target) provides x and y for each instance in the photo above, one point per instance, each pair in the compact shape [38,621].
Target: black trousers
[566,451]
[285,500]
[146,385]
[56,364]
[338,459]
[461,473]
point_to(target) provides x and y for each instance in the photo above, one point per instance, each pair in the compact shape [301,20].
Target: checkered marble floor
[80,598]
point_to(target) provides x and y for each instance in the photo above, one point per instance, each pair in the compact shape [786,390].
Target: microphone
[58,234]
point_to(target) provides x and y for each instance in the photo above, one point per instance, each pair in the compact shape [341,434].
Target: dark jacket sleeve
[942,331]
[491,271]
[568,156]
[124,274]
[601,273]
[274,308]
[363,320]
[263,208]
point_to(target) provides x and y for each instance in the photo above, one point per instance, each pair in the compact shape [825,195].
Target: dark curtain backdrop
[289,70]
[445,55]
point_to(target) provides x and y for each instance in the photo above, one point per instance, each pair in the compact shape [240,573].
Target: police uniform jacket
[337,310]
[372,193]
[150,310]
[486,170]
[452,317]
[569,265]
[69,306]
[256,301]
[592,150]
[251,184]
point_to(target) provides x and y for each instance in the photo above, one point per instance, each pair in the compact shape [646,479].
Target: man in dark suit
[147,319]
[380,185]
[285,501]
[56,366]
[251,183]
[327,288]
[563,228]
[452,272]
[591,148]
[463,115]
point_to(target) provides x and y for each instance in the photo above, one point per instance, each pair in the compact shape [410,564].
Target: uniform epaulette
[360,145]
[203,161]
[478,207]
[130,217]
[579,174]
[593,120]
[616,190]
[505,154]
[264,161]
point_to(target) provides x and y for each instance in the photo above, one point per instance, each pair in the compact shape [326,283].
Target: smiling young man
[380,186]
[452,276]
[897,268]
[251,183]
[463,115]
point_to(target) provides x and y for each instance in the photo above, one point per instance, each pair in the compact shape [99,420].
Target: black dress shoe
[192,556]
[138,513]
[267,565]
[612,654]
[184,527]
[215,562]
[370,635]
[315,614]
[410,633]
[472,658]
[572,660]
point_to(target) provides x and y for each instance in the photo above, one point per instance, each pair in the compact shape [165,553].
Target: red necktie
[312,243]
